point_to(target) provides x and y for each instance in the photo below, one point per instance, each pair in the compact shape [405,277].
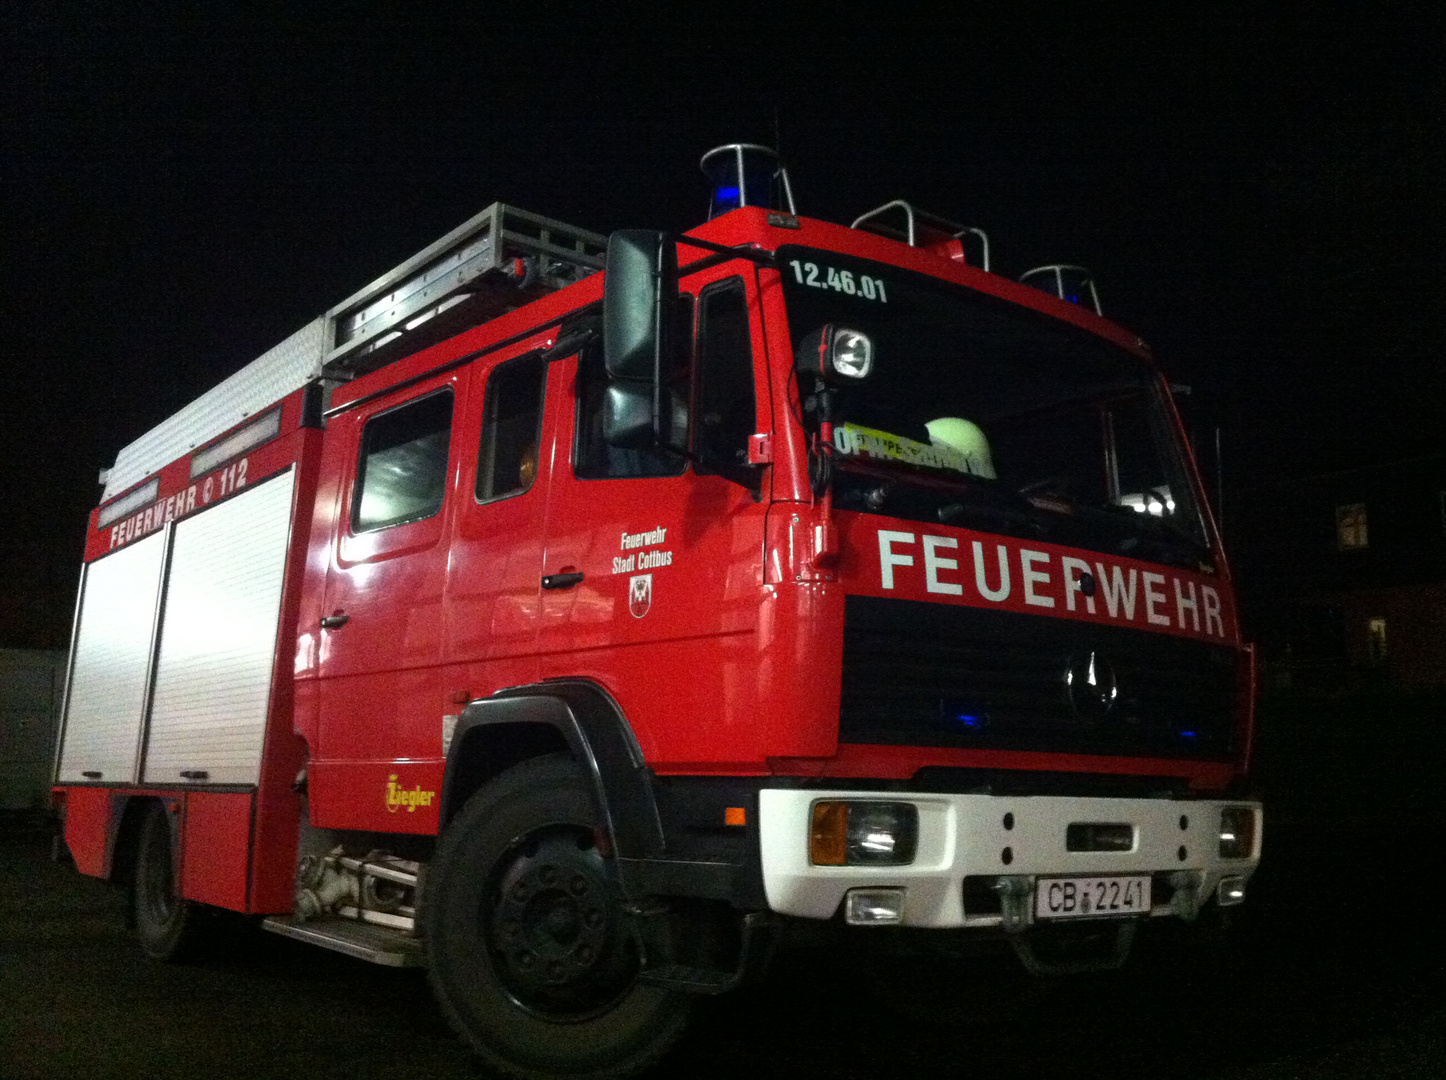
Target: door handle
[561,581]
[331,622]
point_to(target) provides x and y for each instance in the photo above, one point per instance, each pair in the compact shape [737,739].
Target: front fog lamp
[1237,832]
[863,833]
[1230,891]
[874,907]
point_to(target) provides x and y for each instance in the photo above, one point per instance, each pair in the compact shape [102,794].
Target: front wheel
[531,955]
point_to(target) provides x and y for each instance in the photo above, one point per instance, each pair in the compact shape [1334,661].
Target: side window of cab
[507,454]
[724,402]
[402,469]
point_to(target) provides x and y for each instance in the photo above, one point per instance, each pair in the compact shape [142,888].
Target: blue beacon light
[746,174]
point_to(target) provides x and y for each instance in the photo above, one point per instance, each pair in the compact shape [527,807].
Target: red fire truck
[575,616]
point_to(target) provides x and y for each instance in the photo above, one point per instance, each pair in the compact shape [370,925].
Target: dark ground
[1335,971]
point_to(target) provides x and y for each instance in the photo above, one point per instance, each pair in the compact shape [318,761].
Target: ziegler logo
[398,796]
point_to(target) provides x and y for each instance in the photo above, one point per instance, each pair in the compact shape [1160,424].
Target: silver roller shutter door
[107,693]
[218,639]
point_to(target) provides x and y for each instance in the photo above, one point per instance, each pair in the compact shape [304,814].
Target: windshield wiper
[958,496]
[1150,536]
[990,498]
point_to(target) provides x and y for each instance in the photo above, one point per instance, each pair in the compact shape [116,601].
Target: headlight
[863,833]
[1237,832]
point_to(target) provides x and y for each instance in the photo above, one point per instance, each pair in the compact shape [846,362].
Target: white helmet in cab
[965,437]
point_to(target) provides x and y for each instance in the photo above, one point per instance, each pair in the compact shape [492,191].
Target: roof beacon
[746,174]
[1072,283]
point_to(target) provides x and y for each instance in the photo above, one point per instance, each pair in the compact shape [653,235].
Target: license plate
[1091,897]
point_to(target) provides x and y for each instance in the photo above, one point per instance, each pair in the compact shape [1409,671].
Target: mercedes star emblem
[1090,682]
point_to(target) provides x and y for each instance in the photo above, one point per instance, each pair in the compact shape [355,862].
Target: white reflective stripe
[141,496]
[237,443]
[112,650]
[218,638]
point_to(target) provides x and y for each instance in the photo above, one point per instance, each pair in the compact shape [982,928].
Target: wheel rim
[559,941]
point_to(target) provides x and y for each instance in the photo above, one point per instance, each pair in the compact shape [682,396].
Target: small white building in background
[32,686]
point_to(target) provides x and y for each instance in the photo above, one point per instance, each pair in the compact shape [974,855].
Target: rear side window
[402,474]
[511,428]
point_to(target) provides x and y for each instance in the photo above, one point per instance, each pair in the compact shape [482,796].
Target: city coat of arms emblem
[640,594]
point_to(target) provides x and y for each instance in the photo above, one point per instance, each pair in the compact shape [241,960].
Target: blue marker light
[959,716]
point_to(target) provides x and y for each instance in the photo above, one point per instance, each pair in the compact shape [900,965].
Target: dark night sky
[181,186]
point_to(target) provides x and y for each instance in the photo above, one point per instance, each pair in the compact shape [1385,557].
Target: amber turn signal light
[828,837]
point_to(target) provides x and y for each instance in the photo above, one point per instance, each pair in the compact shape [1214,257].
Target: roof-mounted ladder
[490,264]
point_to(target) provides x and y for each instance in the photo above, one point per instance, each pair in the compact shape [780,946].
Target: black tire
[531,955]
[166,924]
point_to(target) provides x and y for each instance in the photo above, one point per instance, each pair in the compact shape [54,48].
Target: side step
[374,944]
[759,939]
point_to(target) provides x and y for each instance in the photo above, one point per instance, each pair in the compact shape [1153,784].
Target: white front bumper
[966,835]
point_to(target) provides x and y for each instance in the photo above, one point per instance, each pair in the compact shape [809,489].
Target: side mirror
[628,416]
[638,290]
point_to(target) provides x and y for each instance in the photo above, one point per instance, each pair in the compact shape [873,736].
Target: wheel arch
[573,716]
[128,813]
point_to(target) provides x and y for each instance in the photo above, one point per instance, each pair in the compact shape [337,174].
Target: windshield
[985,414]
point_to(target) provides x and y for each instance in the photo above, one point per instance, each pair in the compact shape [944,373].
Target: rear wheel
[531,954]
[166,925]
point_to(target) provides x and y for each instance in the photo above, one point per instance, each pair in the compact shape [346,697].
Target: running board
[374,944]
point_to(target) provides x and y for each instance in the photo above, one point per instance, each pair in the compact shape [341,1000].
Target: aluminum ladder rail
[454,270]
[490,264]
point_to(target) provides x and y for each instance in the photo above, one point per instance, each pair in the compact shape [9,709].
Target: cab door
[493,574]
[395,463]
[652,567]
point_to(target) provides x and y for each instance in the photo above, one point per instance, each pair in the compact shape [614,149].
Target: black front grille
[923,674]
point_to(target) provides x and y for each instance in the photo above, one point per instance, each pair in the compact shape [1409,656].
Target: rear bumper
[987,839]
